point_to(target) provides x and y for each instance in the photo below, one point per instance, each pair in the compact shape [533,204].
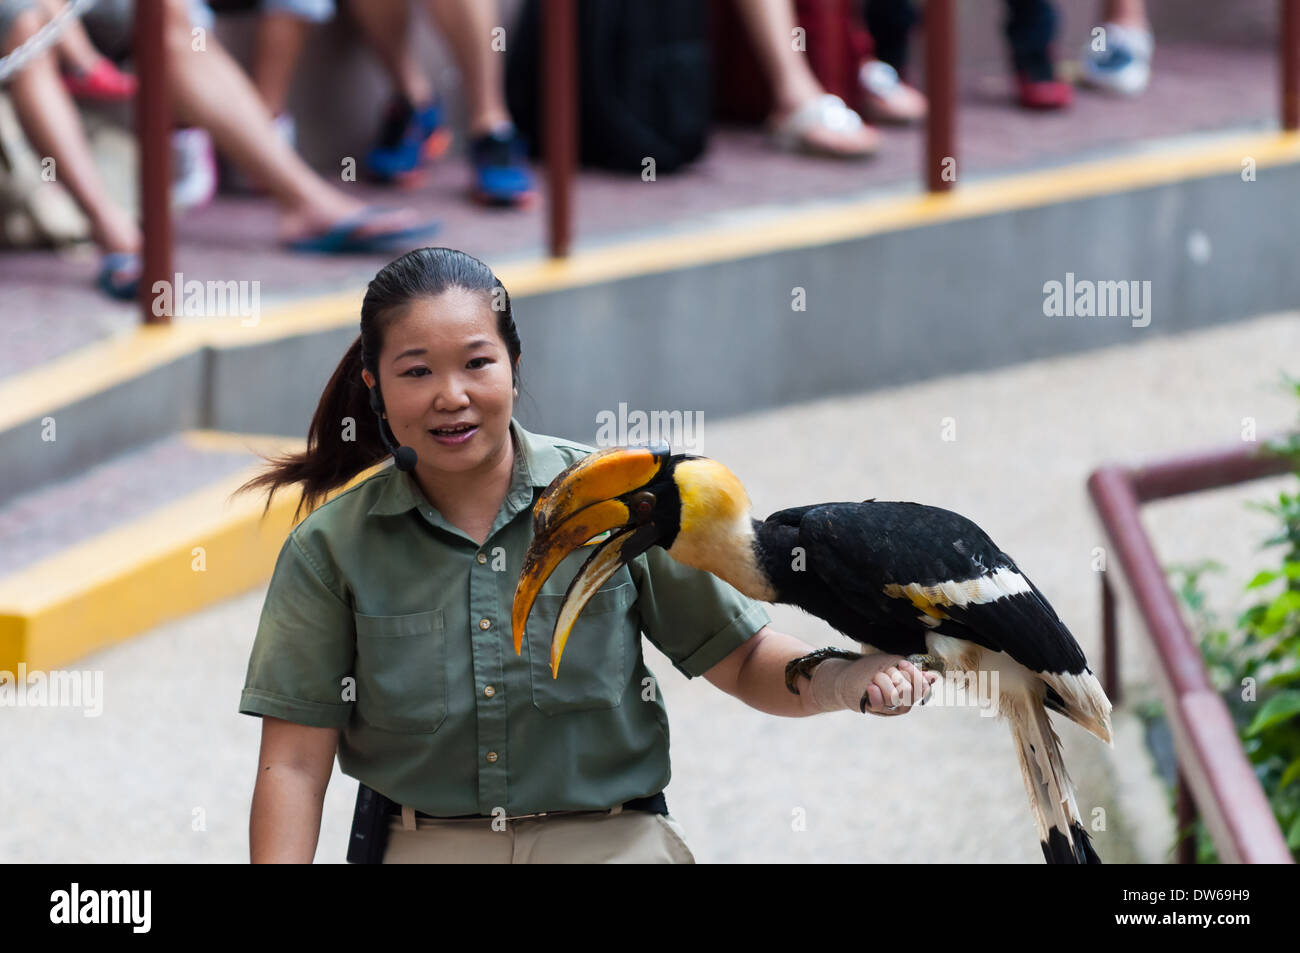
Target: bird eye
[643,504]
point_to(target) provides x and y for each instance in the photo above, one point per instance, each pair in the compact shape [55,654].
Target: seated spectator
[1030,28]
[209,91]
[282,28]
[888,98]
[87,73]
[804,116]
[414,128]
[1121,61]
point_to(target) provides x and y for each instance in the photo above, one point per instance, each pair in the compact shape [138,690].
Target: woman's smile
[454,435]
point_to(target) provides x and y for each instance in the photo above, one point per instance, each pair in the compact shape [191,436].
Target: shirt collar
[537,462]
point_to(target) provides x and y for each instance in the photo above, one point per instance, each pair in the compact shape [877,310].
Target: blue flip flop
[343,238]
[119,288]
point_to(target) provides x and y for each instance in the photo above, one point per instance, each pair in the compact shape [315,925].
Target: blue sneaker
[500,163]
[409,139]
[1123,65]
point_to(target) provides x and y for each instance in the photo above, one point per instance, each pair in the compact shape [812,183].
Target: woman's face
[444,366]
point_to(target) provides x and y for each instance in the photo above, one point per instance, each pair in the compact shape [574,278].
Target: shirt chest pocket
[594,669]
[401,671]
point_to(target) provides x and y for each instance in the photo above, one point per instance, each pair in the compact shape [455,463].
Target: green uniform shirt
[385,621]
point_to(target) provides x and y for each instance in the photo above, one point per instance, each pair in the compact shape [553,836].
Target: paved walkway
[166,773]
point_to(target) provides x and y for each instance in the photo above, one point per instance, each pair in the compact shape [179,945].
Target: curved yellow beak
[579,504]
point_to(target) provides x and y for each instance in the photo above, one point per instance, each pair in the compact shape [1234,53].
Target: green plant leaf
[1283,606]
[1279,708]
[1290,774]
[1284,678]
[1262,578]
[1293,835]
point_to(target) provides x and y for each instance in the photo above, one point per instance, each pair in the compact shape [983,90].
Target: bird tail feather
[1051,794]
[1086,703]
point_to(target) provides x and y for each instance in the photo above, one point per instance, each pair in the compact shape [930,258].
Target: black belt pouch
[369,827]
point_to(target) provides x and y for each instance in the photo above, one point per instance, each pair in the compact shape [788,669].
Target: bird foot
[804,666]
[927,663]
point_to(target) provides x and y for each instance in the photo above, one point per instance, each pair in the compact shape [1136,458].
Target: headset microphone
[404,458]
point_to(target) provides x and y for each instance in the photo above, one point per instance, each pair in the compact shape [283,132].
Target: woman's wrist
[876,683]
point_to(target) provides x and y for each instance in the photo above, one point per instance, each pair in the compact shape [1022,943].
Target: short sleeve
[304,649]
[692,616]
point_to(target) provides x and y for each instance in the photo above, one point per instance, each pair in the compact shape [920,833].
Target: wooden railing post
[1289,55]
[941,90]
[153,122]
[560,89]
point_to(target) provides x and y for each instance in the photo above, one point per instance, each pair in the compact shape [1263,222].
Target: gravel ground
[166,773]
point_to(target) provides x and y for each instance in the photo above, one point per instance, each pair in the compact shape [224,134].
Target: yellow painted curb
[184,556]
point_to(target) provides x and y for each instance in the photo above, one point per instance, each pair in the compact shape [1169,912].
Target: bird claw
[927,663]
[804,666]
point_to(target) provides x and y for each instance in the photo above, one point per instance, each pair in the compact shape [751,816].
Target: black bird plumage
[856,565]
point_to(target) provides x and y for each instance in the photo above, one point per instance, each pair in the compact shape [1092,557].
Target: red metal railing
[560,75]
[1289,38]
[561,136]
[1214,775]
[941,91]
[153,122]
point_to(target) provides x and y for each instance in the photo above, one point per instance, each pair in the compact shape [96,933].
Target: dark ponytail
[331,461]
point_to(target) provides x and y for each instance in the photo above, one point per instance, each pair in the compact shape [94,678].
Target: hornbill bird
[901,578]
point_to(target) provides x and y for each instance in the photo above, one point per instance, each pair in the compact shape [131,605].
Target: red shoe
[105,83]
[1044,93]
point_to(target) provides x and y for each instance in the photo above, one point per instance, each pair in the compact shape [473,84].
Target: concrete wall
[723,339]
[881,311]
[899,307]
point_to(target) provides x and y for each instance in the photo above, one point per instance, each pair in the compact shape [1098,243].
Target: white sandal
[887,97]
[826,111]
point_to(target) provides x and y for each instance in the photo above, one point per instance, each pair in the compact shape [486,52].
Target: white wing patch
[997,585]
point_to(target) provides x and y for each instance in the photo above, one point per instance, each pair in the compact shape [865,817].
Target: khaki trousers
[615,837]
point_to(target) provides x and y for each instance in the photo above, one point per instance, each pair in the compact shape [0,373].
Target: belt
[654,804]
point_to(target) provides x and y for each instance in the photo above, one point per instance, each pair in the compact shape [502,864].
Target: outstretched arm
[755,673]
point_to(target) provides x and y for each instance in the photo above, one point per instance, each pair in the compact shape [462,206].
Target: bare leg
[771,28]
[212,91]
[73,46]
[280,39]
[386,25]
[54,129]
[467,26]
[1126,13]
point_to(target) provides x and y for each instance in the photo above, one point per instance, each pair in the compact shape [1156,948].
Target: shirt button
[492,756]
[489,691]
[482,558]
[485,623]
